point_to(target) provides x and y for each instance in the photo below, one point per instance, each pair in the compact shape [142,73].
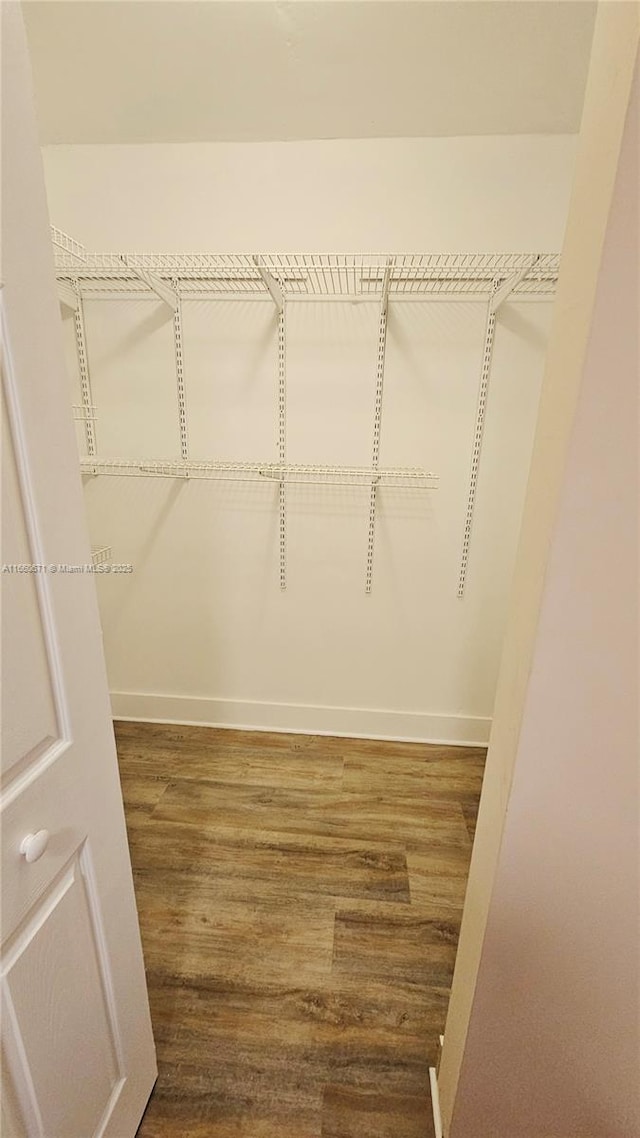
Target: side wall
[200,631]
[548,998]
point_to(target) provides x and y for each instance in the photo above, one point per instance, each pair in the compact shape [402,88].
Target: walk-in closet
[306,256]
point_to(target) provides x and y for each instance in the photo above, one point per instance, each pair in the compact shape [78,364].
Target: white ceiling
[120,71]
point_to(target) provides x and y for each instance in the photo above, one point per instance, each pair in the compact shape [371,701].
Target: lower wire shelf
[408,478]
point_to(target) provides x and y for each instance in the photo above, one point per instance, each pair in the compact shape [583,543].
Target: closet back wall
[201,631]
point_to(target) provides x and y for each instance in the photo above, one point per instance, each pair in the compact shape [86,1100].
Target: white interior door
[78,1058]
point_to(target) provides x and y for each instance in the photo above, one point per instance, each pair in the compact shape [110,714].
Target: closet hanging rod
[344,281]
[105,295]
[371,283]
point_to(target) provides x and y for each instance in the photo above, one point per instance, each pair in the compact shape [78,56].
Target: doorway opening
[304,475]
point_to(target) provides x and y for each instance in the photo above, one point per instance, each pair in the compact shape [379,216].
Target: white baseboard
[354,722]
[435,1102]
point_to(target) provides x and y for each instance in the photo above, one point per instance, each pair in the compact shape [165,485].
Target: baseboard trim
[351,722]
[435,1102]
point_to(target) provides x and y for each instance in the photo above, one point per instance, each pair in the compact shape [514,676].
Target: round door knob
[34,845]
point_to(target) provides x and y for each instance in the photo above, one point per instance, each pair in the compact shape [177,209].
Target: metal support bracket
[504,291]
[386,281]
[501,291]
[85,379]
[485,374]
[271,283]
[162,290]
[282,443]
[67,295]
[182,399]
[377,421]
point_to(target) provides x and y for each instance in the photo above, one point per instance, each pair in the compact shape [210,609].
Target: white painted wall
[283,70]
[200,630]
[494,193]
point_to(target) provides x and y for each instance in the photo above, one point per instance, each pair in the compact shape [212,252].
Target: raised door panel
[61,1031]
[29,702]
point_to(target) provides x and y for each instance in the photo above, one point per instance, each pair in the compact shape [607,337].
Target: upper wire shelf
[352,276]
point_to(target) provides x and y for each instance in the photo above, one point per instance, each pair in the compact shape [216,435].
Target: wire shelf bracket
[272,285]
[167,295]
[505,290]
[67,294]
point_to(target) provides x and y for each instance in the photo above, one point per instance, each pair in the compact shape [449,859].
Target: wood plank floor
[300,901]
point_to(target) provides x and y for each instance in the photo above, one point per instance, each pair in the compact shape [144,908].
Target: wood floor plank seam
[300,902]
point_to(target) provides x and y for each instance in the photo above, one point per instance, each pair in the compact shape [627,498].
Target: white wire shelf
[405,477]
[173,278]
[300,276]
[66,247]
[102,555]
